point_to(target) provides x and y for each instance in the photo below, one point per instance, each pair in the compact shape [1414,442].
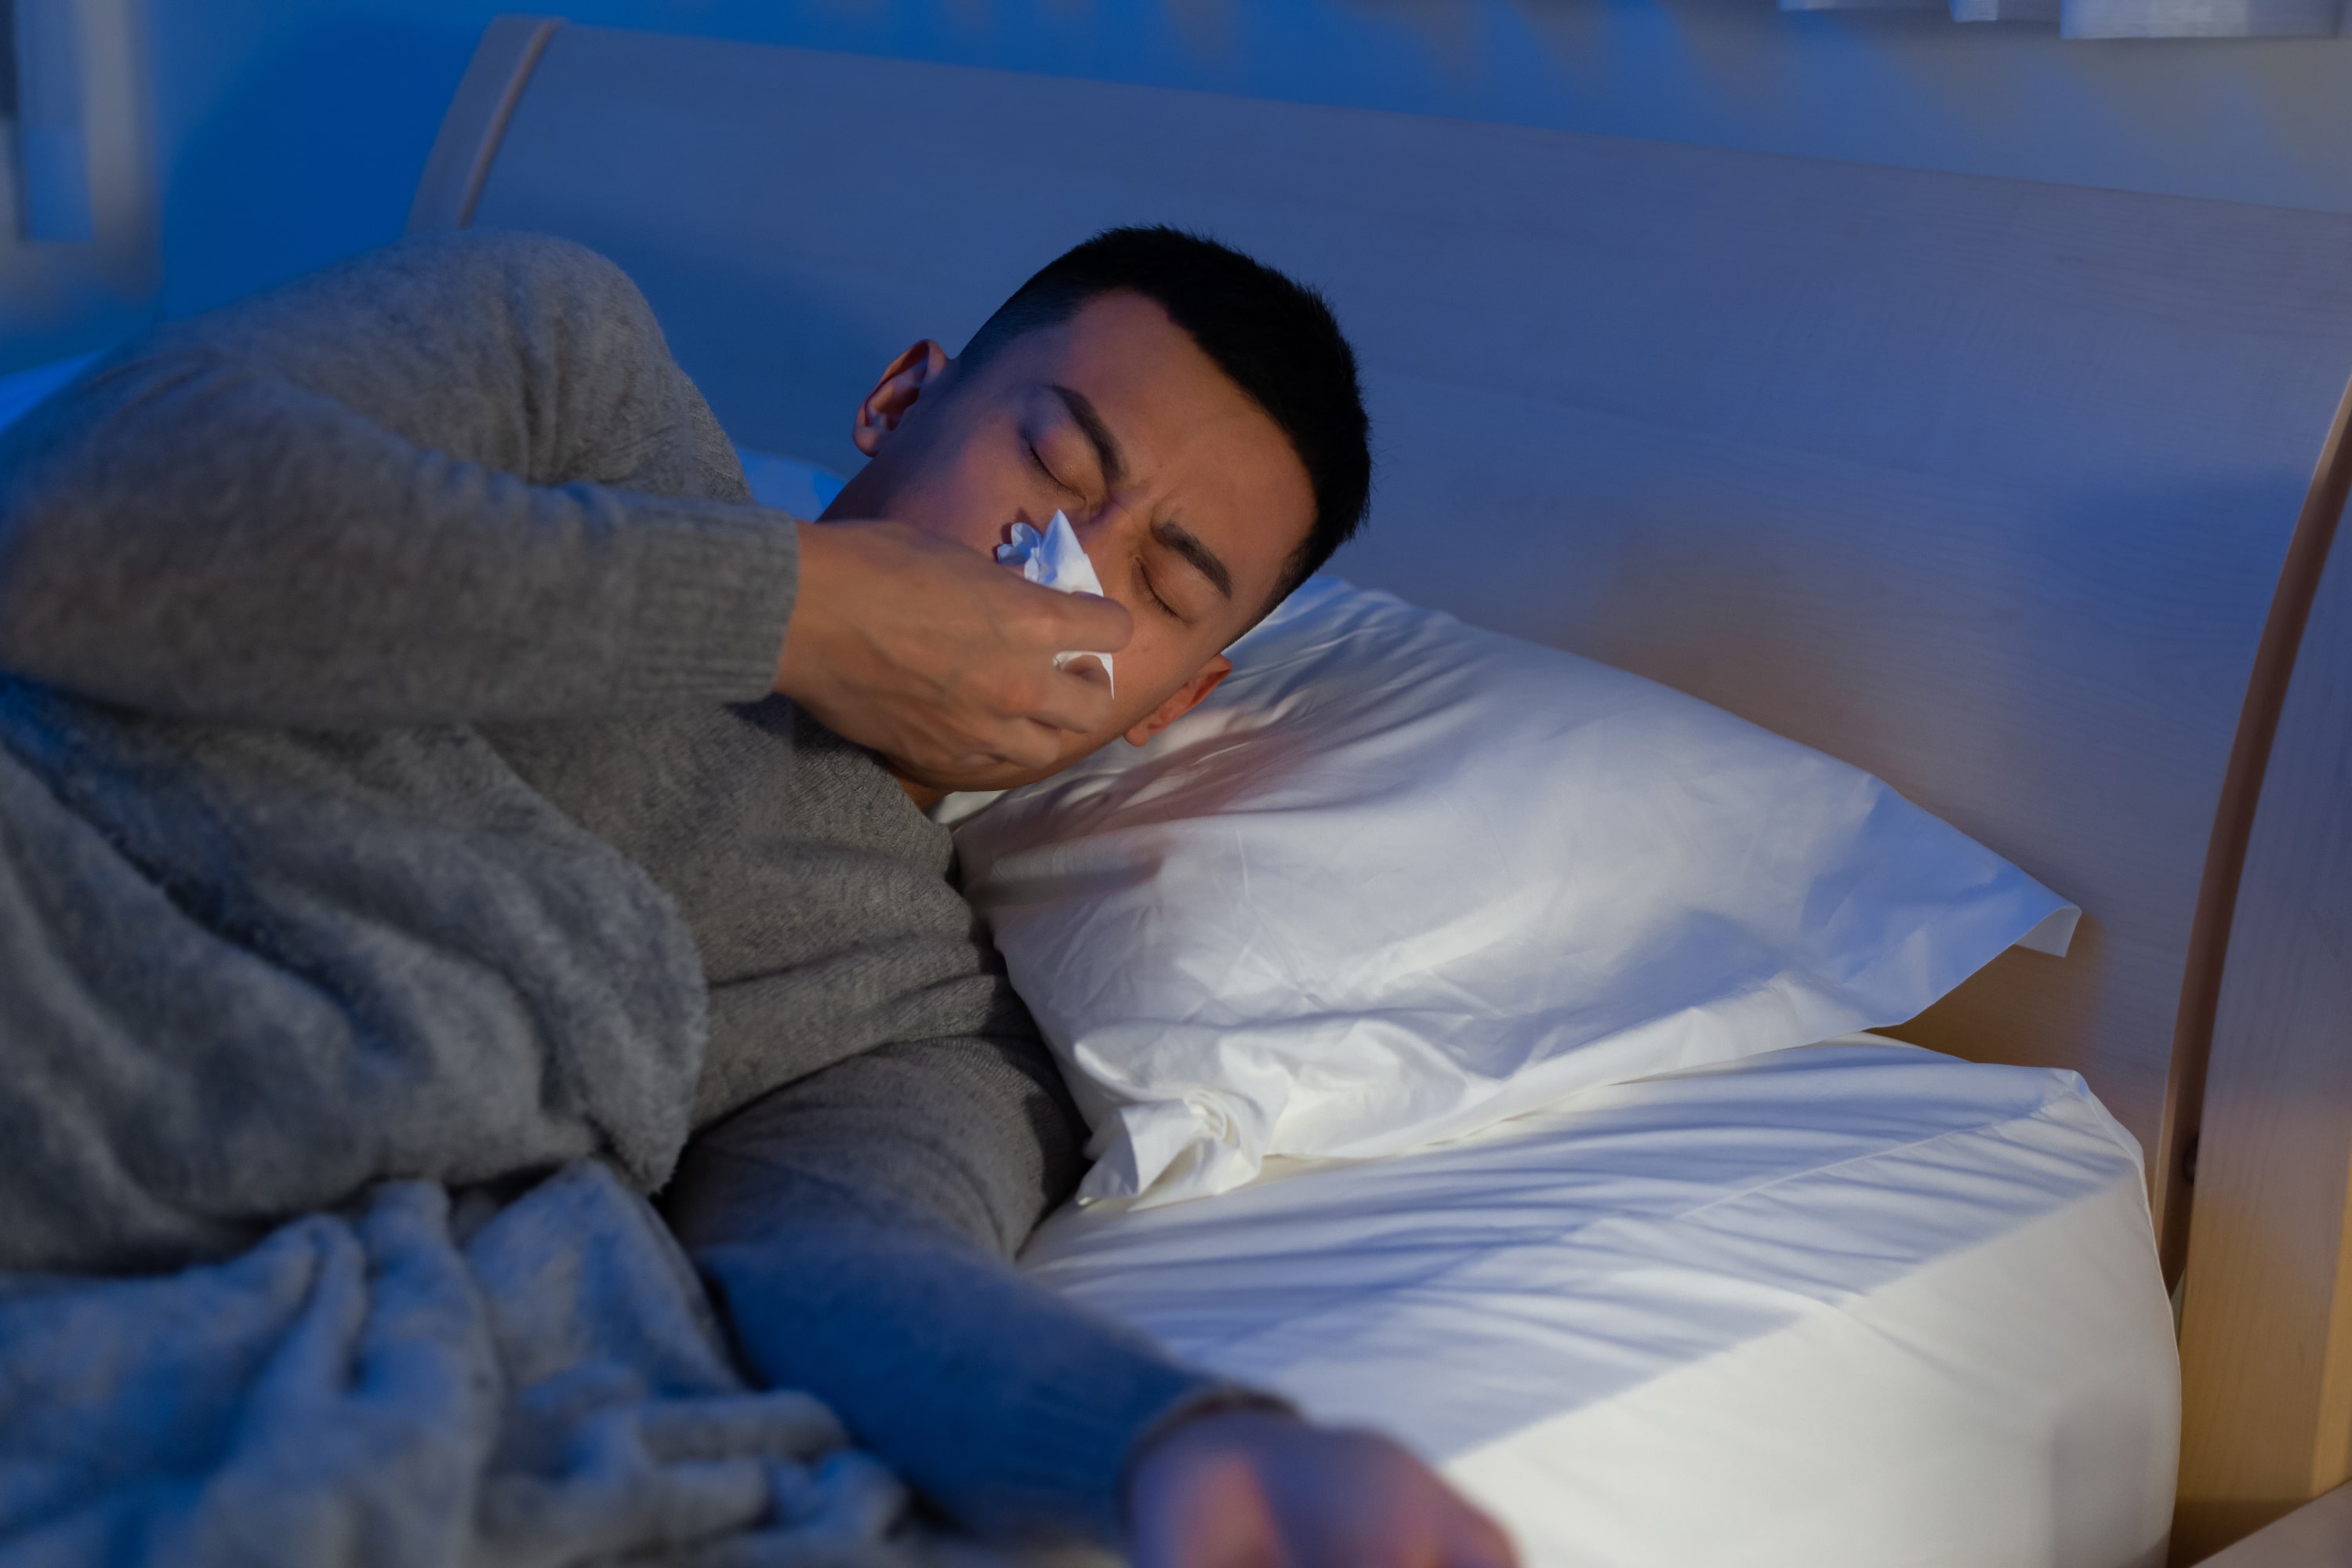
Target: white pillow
[788,484]
[1400,877]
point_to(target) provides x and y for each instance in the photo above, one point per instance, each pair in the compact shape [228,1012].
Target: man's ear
[901,385]
[1182,700]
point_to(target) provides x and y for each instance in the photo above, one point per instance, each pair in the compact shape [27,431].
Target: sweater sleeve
[456,479]
[856,1228]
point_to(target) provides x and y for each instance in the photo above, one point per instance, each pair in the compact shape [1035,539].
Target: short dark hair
[1275,337]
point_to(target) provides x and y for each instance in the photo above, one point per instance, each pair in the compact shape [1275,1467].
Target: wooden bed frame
[2020,496]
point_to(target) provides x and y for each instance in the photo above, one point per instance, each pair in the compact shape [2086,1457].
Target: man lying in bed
[340,612]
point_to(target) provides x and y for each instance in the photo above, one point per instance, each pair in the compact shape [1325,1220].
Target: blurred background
[165,155]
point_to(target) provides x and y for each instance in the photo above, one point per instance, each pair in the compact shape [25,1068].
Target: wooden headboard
[2004,492]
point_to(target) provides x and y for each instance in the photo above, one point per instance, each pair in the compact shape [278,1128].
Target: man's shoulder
[435,292]
[509,258]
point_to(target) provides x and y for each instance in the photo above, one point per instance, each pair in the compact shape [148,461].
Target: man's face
[1188,498]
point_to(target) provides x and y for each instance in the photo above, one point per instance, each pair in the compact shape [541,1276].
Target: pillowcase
[1398,878]
[788,484]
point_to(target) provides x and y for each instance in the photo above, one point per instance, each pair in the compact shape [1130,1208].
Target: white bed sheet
[1853,1304]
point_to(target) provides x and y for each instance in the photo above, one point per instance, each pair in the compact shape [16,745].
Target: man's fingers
[1030,745]
[1078,622]
[1077,698]
[932,655]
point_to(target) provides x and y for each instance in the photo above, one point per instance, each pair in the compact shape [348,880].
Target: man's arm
[461,480]
[856,1226]
[418,486]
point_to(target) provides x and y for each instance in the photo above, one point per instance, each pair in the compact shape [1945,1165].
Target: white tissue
[1055,559]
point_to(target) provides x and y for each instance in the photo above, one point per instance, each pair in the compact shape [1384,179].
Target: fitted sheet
[1855,1303]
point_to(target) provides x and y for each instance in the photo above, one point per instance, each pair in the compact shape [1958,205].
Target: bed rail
[2266,1321]
[476,119]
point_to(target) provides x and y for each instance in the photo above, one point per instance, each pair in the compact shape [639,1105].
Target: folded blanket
[526,1384]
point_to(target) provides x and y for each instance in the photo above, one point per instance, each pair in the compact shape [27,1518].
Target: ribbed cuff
[1079,1422]
[714,587]
[1011,1408]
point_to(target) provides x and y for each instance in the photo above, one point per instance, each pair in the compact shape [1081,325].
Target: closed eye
[1143,578]
[1052,478]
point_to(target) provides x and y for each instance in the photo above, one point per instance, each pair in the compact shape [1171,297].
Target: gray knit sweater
[388,786]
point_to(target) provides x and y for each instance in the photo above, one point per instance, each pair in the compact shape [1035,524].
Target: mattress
[1853,1304]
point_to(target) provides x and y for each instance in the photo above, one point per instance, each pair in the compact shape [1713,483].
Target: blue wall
[290,132]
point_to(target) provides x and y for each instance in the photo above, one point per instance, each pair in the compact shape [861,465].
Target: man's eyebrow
[1176,537]
[1090,420]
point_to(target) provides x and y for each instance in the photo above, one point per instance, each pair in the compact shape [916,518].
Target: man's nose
[1111,522]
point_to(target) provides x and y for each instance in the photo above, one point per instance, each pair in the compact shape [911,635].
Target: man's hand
[1253,1489]
[939,658]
